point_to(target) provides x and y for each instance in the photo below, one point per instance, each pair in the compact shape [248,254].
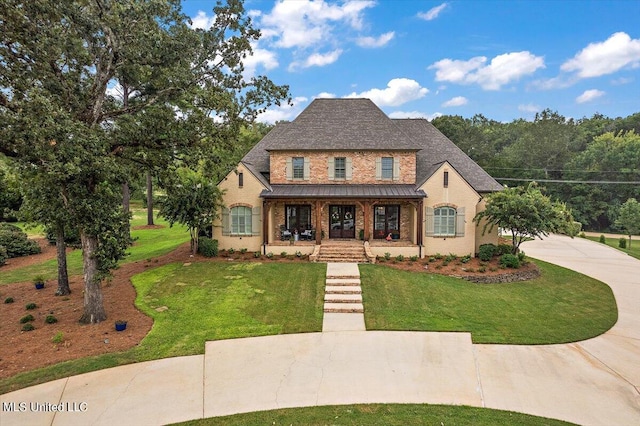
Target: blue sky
[503,59]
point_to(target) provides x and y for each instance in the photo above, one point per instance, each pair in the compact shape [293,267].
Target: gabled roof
[341,124]
[359,125]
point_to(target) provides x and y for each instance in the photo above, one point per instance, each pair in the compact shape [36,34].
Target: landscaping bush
[8,300]
[413,258]
[622,243]
[31,306]
[50,319]
[400,258]
[509,261]
[486,252]
[15,241]
[465,259]
[27,318]
[256,255]
[503,249]
[387,256]
[3,255]
[28,327]
[207,247]
[603,240]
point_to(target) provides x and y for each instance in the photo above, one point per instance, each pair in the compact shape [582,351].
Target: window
[386,220]
[387,167]
[340,168]
[298,218]
[298,167]
[241,218]
[444,221]
[240,179]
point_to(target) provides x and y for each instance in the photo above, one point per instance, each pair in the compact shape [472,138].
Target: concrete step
[342,281]
[342,289]
[342,298]
[346,308]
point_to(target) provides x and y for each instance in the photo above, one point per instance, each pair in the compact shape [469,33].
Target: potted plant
[121,325]
[39,281]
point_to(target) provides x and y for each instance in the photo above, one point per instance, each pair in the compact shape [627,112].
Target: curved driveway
[591,382]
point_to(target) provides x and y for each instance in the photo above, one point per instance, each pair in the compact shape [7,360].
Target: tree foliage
[524,212]
[629,218]
[62,124]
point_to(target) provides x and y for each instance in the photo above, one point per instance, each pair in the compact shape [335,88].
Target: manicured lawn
[560,306]
[208,301]
[613,242]
[148,243]
[381,414]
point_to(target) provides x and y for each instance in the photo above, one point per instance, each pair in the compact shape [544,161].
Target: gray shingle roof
[341,191]
[358,124]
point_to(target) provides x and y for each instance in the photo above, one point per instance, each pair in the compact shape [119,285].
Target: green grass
[148,243]
[613,242]
[207,301]
[380,414]
[561,306]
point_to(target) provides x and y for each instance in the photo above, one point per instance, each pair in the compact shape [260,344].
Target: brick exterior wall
[363,164]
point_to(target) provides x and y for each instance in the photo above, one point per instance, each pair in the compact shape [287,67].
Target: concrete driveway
[595,382]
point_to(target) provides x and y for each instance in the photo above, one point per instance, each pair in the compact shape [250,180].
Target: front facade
[343,170]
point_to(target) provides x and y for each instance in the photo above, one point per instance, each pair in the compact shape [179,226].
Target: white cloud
[259,57]
[203,21]
[306,23]
[589,95]
[326,95]
[622,80]
[284,111]
[414,114]
[502,69]
[617,52]
[432,13]
[529,108]
[375,42]
[317,60]
[457,101]
[397,92]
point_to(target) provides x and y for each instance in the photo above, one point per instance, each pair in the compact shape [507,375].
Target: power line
[612,182]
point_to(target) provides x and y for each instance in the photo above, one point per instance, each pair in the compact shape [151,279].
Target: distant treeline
[591,164]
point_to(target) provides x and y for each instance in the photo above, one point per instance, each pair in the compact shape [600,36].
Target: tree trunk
[126,197]
[149,199]
[63,275]
[93,306]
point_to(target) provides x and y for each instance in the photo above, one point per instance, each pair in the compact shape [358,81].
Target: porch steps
[342,253]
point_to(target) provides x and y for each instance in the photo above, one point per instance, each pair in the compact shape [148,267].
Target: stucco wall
[363,164]
[457,194]
[248,195]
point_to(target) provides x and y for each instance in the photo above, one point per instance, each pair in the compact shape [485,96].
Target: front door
[342,221]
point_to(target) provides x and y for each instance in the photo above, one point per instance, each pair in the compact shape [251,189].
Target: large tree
[59,121]
[629,217]
[525,213]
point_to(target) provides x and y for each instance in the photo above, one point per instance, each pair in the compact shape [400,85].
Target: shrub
[256,254]
[504,249]
[15,241]
[28,327]
[582,235]
[413,258]
[432,259]
[622,243]
[298,254]
[400,258]
[486,252]
[438,256]
[269,255]
[31,306]
[521,256]
[509,261]
[450,257]
[8,300]
[58,338]
[482,269]
[207,247]
[466,259]
[231,250]
[3,255]
[27,318]
[243,250]
[50,319]
[603,240]
[387,256]
[283,254]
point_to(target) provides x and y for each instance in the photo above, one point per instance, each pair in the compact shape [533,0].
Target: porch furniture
[285,234]
[308,234]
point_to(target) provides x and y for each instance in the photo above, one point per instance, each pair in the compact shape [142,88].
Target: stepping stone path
[343,308]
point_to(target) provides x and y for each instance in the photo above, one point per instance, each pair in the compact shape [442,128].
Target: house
[343,170]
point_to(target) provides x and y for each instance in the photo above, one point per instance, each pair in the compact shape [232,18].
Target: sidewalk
[595,382]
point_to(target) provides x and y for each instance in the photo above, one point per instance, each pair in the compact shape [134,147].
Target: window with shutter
[256,220]
[241,220]
[226,224]
[297,164]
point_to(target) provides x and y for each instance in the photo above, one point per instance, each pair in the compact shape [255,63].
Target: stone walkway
[343,308]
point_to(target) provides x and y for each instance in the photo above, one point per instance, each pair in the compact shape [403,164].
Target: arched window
[444,221]
[241,220]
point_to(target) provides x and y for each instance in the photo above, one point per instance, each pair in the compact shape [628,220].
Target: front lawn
[614,242]
[560,306]
[380,414]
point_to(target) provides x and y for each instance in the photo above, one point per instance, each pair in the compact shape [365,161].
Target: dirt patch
[23,351]
[147,227]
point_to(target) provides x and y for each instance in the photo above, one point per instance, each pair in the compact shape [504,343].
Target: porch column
[318,223]
[367,220]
